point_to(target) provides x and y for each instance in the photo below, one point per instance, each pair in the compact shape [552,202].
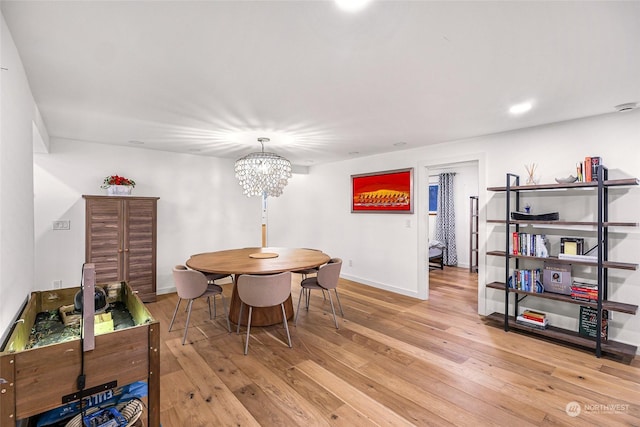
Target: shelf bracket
[521,298]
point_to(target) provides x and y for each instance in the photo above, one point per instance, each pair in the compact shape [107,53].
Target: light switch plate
[61,225]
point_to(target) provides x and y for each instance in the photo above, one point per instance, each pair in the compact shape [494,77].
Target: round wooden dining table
[267,260]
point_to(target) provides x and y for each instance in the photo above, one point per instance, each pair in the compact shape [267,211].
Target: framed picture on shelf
[383,192]
[433,199]
[572,245]
[556,278]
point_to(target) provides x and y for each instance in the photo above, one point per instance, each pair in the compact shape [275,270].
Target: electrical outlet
[61,225]
[57,284]
[350,263]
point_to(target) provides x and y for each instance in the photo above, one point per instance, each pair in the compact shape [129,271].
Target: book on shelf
[529,244]
[588,258]
[582,291]
[588,323]
[521,320]
[584,286]
[556,278]
[595,162]
[534,316]
[590,168]
[526,280]
[584,298]
[579,173]
[572,245]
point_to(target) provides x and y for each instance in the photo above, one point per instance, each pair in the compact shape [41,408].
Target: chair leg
[209,304]
[308,297]
[246,345]
[295,321]
[333,310]
[339,303]
[286,325]
[215,311]
[239,317]
[226,315]
[174,313]
[186,327]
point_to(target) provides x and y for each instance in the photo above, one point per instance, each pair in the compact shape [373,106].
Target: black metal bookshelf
[601,262]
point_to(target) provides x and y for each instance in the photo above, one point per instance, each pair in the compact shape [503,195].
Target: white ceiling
[321,83]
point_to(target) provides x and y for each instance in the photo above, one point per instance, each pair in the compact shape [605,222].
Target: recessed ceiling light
[354,152]
[194,150]
[134,142]
[520,108]
[351,5]
[399,144]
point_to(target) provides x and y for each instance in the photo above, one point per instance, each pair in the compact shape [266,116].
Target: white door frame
[423,219]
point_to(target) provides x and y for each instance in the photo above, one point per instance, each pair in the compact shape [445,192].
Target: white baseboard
[378,285]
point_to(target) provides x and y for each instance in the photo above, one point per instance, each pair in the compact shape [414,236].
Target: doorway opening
[468,180]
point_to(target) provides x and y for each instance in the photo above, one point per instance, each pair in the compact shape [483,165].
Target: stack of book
[529,244]
[533,319]
[526,280]
[588,171]
[584,291]
[591,168]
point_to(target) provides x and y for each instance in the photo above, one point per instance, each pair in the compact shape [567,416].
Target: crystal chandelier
[263,174]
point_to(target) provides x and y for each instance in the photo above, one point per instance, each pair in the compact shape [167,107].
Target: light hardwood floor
[394,361]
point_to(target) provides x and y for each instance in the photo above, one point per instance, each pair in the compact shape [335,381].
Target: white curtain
[446,217]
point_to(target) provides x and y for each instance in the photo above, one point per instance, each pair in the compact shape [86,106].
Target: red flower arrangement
[117,180]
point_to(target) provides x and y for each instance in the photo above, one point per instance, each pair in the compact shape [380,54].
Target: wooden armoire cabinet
[121,241]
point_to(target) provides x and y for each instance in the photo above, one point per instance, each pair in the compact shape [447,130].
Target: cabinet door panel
[103,239]
[140,247]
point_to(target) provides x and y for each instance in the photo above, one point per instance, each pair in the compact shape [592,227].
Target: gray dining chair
[190,285]
[306,272]
[211,280]
[263,291]
[212,286]
[326,280]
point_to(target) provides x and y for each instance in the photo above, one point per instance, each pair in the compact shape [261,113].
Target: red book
[516,243]
[587,169]
[533,319]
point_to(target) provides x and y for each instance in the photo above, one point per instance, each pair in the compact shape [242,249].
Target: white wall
[385,253]
[381,248]
[201,206]
[17,111]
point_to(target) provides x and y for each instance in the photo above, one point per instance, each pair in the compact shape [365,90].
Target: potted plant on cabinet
[117,185]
